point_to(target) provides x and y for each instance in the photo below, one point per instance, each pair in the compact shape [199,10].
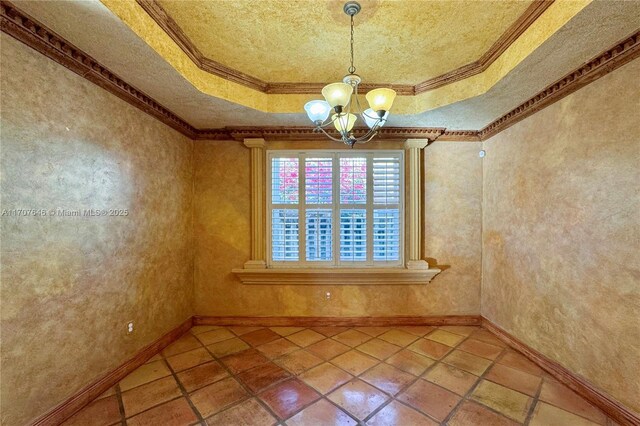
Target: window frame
[335,207]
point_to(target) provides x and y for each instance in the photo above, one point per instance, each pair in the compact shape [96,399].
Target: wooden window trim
[415,270]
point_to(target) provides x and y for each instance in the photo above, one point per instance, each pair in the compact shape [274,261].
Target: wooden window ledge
[337,276]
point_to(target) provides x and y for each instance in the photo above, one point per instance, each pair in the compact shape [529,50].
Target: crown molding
[173,30]
[27,30]
[617,55]
[300,133]
[460,136]
[22,27]
[155,10]
[533,12]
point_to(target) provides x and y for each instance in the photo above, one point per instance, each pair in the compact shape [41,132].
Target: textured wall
[70,284]
[561,231]
[222,233]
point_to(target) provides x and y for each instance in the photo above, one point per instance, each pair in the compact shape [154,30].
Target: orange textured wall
[561,230]
[70,284]
[453,193]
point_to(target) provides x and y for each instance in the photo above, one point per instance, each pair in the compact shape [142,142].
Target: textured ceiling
[400,42]
[94,28]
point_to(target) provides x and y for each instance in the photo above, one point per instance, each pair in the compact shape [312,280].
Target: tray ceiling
[124,38]
[397,42]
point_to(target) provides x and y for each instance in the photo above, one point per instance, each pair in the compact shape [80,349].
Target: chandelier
[342,103]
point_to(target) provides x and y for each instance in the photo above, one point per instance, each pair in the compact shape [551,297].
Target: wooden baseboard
[90,392]
[582,387]
[339,321]
[76,402]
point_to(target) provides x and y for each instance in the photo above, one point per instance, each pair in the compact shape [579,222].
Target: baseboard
[76,402]
[90,392]
[338,321]
[582,387]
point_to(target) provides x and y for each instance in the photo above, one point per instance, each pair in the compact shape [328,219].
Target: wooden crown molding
[155,10]
[581,386]
[614,57]
[22,27]
[35,35]
[169,26]
[298,133]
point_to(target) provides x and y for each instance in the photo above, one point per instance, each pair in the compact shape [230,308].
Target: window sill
[333,276]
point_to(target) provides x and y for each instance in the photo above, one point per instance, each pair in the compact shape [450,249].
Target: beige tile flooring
[450,375]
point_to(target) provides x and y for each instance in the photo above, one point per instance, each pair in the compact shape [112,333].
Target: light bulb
[381,99]
[317,110]
[371,118]
[337,94]
[344,122]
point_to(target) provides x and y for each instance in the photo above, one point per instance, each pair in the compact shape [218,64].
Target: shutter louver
[353,235]
[318,235]
[284,235]
[332,209]
[386,220]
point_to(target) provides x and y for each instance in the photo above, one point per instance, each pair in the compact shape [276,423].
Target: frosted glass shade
[337,94]
[381,99]
[317,110]
[344,122]
[371,117]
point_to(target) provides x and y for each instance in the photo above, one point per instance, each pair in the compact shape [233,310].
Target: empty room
[320,212]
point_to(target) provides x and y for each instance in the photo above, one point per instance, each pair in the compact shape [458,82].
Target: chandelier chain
[352,69]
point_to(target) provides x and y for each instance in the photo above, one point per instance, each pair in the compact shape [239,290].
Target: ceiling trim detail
[24,28]
[173,30]
[294,133]
[617,55]
[27,30]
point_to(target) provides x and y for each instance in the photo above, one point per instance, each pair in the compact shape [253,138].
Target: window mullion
[335,207]
[302,211]
[369,207]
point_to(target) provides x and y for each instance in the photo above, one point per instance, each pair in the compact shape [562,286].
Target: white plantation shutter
[339,208]
[319,235]
[353,235]
[284,231]
[386,208]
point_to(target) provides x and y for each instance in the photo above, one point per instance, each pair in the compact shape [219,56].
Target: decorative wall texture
[70,284]
[453,189]
[561,232]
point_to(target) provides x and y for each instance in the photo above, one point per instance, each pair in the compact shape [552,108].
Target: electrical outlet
[327,295]
[130,327]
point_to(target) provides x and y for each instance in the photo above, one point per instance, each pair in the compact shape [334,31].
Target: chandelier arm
[360,109]
[367,137]
[329,136]
[325,124]
[351,8]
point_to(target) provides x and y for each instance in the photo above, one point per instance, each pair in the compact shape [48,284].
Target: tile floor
[450,375]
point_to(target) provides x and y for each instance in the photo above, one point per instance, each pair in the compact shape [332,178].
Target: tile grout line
[431,367]
[164,360]
[467,395]
[393,397]
[120,404]
[322,396]
[383,361]
[534,403]
[185,394]
[351,348]
[233,376]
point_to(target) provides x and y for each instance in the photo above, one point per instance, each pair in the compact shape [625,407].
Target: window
[335,209]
